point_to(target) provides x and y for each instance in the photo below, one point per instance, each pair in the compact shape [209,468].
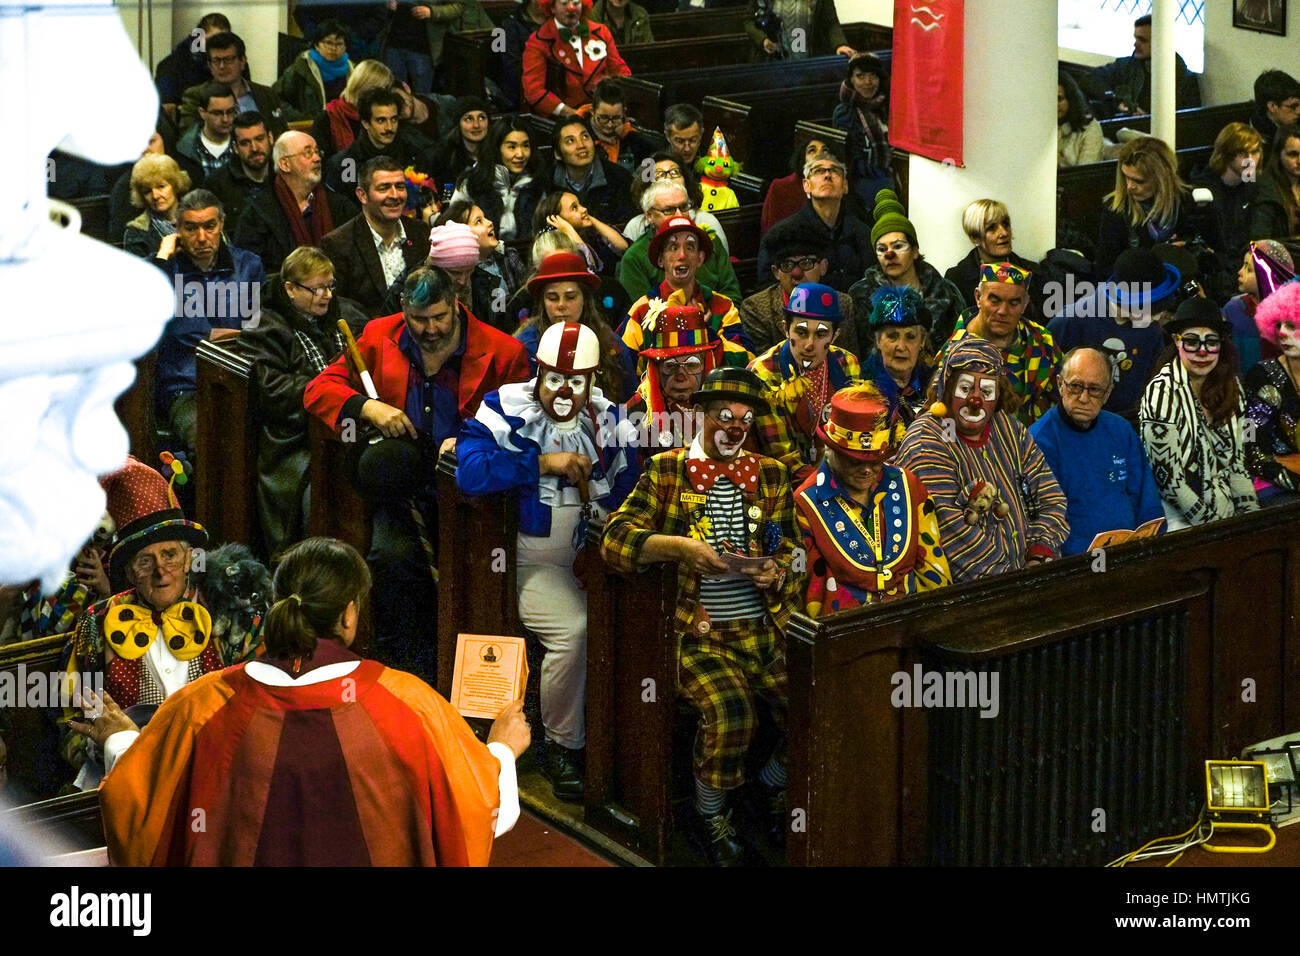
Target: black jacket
[408,149]
[847,244]
[1267,214]
[357,270]
[965,275]
[233,188]
[609,201]
[264,229]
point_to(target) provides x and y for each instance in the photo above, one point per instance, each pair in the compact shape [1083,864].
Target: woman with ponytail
[310,755]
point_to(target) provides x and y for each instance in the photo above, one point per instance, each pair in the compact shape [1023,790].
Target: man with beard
[726,518]
[431,365]
[380,246]
[295,210]
[539,441]
[248,171]
[800,375]
[382,134]
[1031,356]
[998,504]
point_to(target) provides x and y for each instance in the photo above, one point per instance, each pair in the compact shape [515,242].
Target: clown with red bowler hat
[801,374]
[869,528]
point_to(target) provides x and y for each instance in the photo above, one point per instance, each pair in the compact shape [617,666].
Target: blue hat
[897,307]
[812,300]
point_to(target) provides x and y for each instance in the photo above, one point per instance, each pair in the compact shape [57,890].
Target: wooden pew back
[33,765]
[228,433]
[1192,127]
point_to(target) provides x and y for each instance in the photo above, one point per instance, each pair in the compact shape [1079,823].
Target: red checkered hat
[569,347]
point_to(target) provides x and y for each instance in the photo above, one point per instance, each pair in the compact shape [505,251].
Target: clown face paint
[563,396]
[725,442]
[974,400]
[1288,339]
[810,340]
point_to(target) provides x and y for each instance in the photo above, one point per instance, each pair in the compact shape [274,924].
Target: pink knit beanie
[453,246]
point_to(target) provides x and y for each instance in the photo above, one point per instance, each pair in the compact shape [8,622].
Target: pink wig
[1282,306]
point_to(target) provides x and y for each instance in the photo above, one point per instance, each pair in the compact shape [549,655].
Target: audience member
[335,127]
[247,171]
[863,113]
[217,285]
[582,169]
[499,273]
[998,505]
[229,67]
[157,184]
[890,545]
[844,235]
[668,167]
[1078,134]
[382,134]
[800,375]
[459,149]
[205,147]
[640,270]
[616,137]
[566,57]
[1273,397]
[1030,355]
[900,349]
[1277,103]
[187,64]
[1129,77]
[1095,455]
[1275,210]
[121,199]
[1240,309]
[600,243]
[987,223]
[795,31]
[415,37]
[899,263]
[519,24]
[456,794]
[684,130]
[1191,417]
[454,248]
[295,210]
[1122,319]
[507,180]
[318,74]
[797,257]
[729,626]
[373,251]
[1231,175]
[431,365]
[295,338]
[628,22]
[539,441]
[785,196]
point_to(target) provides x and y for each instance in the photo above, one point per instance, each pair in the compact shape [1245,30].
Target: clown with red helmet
[869,528]
[547,441]
[566,57]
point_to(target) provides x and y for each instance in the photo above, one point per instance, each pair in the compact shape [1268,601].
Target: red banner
[925,81]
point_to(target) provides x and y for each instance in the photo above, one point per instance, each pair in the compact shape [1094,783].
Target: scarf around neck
[321,220]
[329,72]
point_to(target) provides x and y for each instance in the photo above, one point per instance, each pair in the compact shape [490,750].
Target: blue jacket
[1104,473]
[233,288]
[484,467]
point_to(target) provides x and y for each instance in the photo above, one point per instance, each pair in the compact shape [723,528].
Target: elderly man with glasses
[844,236]
[1096,456]
[640,271]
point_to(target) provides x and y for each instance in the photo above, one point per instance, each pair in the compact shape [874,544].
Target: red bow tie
[704,472]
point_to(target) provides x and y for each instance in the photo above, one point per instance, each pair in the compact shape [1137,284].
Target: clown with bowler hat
[869,527]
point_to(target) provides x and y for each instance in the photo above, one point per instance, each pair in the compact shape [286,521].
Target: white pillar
[1009,135]
[1164,82]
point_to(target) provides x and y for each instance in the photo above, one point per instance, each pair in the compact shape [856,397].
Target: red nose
[735,434]
[976,402]
[564,392]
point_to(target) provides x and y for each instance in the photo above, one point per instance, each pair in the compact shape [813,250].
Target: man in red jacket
[430,365]
[566,57]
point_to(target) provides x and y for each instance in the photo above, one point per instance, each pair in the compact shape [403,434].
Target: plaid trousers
[719,673]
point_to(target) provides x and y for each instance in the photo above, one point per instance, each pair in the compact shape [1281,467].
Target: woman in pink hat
[869,528]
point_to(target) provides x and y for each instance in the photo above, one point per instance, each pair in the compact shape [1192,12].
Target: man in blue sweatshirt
[1095,455]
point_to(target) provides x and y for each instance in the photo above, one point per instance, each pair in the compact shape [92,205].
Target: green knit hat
[890,217]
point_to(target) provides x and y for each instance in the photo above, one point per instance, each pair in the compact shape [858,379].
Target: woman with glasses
[157,184]
[319,74]
[506,181]
[1191,422]
[296,337]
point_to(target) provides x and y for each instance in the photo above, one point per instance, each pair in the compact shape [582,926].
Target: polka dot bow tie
[131,628]
[704,472]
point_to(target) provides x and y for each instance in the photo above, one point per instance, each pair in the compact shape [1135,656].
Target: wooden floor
[534,842]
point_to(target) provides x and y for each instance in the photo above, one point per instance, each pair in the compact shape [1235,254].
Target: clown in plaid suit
[679,511]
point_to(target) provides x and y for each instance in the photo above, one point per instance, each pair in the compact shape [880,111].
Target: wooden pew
[868,36]
[134,408]
[34,767]
[1112,693]
[225,475]
[680,25]
[337,510]
[759,125]
[1192,127]
[805,130]
[72,822]
[741,226]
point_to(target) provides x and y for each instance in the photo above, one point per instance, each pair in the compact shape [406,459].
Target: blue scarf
[329,72]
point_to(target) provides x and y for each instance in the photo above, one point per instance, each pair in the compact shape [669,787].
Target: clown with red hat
[801,374]
[552,443]
[869,527]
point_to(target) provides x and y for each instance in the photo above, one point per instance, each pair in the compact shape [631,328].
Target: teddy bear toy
[981,498]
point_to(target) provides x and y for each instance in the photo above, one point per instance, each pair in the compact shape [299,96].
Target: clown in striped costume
[998,504]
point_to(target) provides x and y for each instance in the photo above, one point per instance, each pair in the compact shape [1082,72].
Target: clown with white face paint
[1273,396]
[800,375]
[971,445]
[541,441]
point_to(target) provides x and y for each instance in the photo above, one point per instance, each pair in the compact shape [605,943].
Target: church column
[1164,82]
[1009,135]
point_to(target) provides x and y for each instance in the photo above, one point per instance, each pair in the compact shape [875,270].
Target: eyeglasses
[672,172]
[833,171]
[1075,389]
[334,42]
[681,208]
[1194,343]
[223,60]
[616,119]
[898,245]
[803,262]
[170,560]
[323,290]
[692,365]
[311,152]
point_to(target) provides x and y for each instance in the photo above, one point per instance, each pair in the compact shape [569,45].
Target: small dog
[236,590]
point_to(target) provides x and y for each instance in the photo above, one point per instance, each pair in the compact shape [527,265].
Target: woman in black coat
[507,180]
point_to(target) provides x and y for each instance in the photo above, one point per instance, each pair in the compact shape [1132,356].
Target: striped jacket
[1032,362]
[719,310]
[1008,460]
[655,506]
